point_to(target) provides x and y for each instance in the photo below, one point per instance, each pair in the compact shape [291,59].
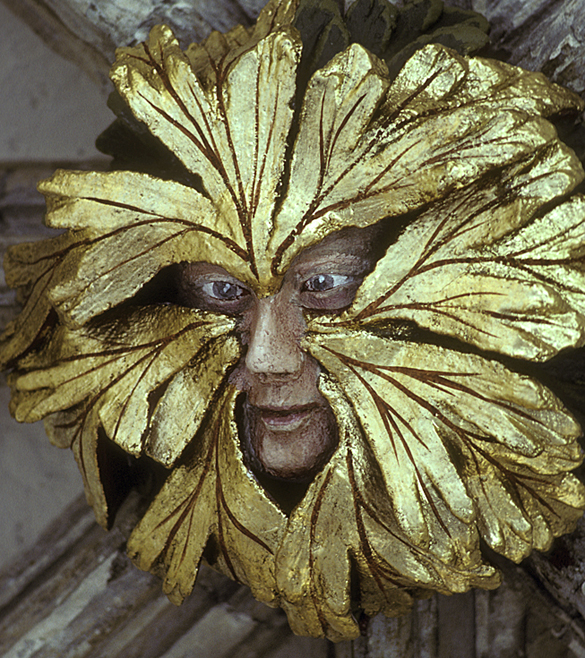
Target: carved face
[377,374]
[287,426]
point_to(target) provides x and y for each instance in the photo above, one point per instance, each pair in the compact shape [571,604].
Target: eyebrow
[334,261]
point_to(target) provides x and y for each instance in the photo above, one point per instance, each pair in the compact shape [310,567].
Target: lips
[285,418]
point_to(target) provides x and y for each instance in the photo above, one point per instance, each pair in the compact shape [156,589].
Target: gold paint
[438,448]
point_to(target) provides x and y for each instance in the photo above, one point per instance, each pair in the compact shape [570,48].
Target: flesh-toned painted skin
[289,429]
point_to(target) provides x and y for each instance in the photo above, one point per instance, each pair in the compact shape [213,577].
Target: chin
[291,445]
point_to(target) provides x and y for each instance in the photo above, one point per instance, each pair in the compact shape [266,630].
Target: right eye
[226,291]
[214,291]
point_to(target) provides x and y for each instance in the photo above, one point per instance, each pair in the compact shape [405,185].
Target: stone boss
[314,327]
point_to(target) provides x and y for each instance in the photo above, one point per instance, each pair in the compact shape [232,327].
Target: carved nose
[273,346]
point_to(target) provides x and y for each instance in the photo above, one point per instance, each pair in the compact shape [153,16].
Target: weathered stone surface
[49,109]
[76,594]
[539,35]
[89,32]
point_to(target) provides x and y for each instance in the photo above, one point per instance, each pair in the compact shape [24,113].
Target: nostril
[281,372]
[274,357]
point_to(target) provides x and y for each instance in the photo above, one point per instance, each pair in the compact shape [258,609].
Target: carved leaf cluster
[441,446]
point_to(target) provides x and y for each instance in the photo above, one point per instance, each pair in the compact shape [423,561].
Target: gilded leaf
[115,371]
[233,135]
[482,267]
[34,268]
[210,58]
[344,527]
[148,222]
[207,500]
[78,429]
[366,151]
[460,441]
[439,447]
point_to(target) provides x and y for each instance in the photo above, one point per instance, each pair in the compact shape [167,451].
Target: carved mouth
[285,419]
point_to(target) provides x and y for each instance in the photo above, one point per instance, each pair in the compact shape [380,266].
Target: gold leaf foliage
[441,445]
[367,149]
[512,283]
[210,497]
[86,379]
[461,442]
[346,526]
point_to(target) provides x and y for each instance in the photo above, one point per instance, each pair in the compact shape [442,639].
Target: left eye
[224,290]
[325,282]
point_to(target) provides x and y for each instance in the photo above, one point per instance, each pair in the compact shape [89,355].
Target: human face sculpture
[288,428]
[340,414]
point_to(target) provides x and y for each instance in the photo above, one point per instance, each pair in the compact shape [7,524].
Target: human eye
[328,292]
[325,282]
[210,288]
[226,291]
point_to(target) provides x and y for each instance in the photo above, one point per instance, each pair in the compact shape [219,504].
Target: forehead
[349,244]
[351,248]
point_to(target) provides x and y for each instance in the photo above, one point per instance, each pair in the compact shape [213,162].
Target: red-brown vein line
[431,502]
[428,307]
[189,501]
[218,496]
[156,219]
[417,92]
[372,514]
[283,246]
[517,480]
[203,145]
[432,246]
[342,125]
[309,216]
[322,151]
[313,523]
[161,343]
[434,378]
[366,548]
[385,405]
[258,185]
[425,254]
[211,154]
[416,398]
[557,237]
[242,203]
[546,279]
[132,348]
[223,547]
[155,357]
[157,245]
[365,544]
[325,152]
[256,181]
[239,526]
[26,312]
[242,193]
[350,168]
